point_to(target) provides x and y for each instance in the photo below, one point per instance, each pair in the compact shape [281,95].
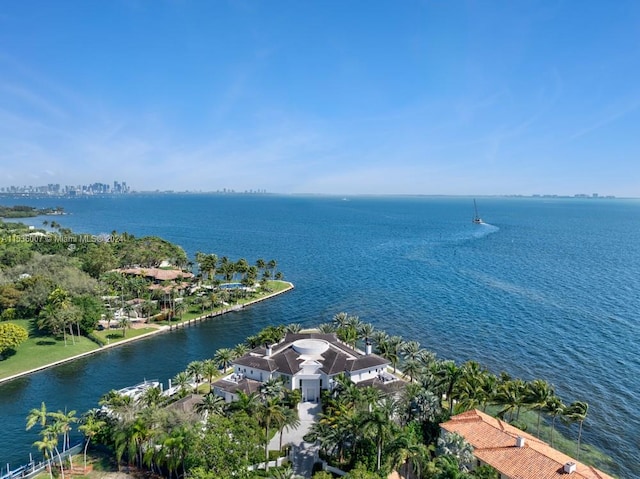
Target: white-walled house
[305,361]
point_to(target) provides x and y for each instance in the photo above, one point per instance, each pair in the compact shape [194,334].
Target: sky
[324,97]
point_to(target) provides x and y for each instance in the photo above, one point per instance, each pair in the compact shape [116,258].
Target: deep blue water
[549,288]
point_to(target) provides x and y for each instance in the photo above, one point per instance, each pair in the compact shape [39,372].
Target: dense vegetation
[360,429]
[20,211]
[65,283]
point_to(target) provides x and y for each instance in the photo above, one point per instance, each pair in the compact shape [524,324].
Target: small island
[21,211]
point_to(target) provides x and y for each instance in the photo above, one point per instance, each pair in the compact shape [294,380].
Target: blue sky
[337,97]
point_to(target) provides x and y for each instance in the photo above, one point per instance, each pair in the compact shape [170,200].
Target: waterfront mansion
[305,361]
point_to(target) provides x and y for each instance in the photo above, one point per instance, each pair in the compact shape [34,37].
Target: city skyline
[417,97]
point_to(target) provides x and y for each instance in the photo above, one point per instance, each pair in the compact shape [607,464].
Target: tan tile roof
[494,443]
[157,273]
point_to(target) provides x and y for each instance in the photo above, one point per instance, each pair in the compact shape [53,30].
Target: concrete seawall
[160,329]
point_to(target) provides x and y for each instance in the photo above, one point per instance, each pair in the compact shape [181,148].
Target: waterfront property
[513,452]
[309,362]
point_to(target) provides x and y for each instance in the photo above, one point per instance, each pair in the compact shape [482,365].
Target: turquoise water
[547,288]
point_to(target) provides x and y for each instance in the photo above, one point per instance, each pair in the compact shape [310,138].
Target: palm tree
[269,413]
[211,405]
[223,357]
[240,350]
[151,397]
[289,421]
[181,380]
[378,423]
[272,388]
[449,374]
[408,451]
[64,421]
[365,331]
[293,328]
[90,427]
[124,322]
[340,319]
[577,412]
[46,446]
[209,369]
[411,368]
[195,369]
[538,395]
[327,328]
[37,416]
[175,447]
[53,431]
[271,265]
[248,403]
[555,408]
[410,350]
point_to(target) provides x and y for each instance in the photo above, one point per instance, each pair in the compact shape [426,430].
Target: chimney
[269,350]
[569,467]
[367,348]
[519,441]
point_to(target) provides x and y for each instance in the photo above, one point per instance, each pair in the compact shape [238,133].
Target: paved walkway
[304,453]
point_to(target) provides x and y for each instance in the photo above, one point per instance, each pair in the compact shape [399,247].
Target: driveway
[304,454]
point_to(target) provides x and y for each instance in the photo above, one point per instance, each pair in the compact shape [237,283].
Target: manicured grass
[111,336]
[40,350]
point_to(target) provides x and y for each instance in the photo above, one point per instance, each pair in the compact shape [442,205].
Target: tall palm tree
[124,322]
[378,423]
[46,446]
[209,369]
[538,395]
[290,421]
[90,427]
[269,413]
[64,421]
[555,407]
[577,412]
[448,374]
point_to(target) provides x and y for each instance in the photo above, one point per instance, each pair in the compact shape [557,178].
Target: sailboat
[476,219]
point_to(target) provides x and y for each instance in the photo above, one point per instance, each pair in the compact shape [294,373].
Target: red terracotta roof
[494,443]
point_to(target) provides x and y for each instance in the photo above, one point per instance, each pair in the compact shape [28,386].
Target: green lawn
[115,335]
[40,350]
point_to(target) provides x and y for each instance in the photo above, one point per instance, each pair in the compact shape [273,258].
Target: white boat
[476,219]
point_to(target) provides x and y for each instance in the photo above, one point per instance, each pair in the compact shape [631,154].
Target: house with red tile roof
[514,453]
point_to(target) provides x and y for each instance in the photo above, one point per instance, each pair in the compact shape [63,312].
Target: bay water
[549,288]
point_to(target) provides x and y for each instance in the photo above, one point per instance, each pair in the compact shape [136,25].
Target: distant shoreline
[158,330]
